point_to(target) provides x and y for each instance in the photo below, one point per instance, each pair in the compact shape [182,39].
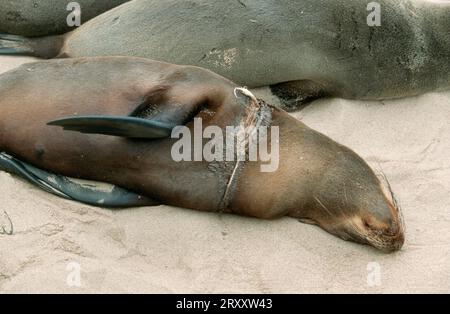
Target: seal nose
[398,241]
[393,228]
[389,235]
[394,243]
[397,233]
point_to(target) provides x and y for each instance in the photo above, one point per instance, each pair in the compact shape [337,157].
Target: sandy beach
[173,250]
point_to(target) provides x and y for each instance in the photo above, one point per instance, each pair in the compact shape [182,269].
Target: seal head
[318,181]
[351,202]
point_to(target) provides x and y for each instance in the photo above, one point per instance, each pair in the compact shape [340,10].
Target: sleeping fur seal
[118,114]
[303,49]
[46,17]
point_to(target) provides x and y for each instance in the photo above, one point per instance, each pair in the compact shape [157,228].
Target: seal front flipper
[84,191]
[126,126]
[147,121]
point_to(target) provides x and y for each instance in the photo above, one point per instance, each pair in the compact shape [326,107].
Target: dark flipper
[41,47]
[88,192]
[296,95]
[14,45]
[130,127]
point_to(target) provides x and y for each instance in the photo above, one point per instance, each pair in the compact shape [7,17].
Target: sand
[166,249]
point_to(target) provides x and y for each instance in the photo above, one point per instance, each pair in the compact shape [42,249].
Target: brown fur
[318,180]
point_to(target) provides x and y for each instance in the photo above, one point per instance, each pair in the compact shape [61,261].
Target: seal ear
[130,127]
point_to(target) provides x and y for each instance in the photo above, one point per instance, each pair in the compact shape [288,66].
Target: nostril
[394,228]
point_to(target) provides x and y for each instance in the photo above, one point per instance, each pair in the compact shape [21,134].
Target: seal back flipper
[88,192]
[42,47]
[296,95]
[14,166]
[14,45]
[125,126]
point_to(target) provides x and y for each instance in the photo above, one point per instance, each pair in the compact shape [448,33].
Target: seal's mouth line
[376,239]
[364,235]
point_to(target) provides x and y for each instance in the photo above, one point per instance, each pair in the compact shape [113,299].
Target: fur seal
[303,49]
[124,109]
[47,17]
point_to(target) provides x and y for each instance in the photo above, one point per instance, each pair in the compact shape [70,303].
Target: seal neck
[257,114]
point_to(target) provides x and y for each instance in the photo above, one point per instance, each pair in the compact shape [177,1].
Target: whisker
[395,201]
[324,207]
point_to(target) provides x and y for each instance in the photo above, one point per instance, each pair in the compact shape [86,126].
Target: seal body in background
[303,49]
[47,17]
